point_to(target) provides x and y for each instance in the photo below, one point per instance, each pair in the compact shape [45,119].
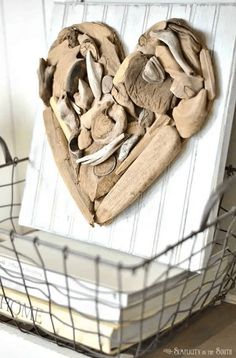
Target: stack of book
[97,297]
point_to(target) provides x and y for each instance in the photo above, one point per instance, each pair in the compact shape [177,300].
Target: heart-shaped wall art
[115,123]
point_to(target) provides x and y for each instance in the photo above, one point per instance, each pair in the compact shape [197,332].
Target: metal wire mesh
[53,306]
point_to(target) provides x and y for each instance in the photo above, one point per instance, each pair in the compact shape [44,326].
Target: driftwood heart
[114,123]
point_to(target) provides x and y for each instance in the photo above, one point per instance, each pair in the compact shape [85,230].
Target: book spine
[16,309]
[57,320]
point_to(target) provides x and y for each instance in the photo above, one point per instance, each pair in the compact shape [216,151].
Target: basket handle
[6,153]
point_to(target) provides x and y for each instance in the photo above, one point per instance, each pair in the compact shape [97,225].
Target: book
[106,299]
[114,293]
[170,309]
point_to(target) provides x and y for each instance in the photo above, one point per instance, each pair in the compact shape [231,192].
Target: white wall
[22,41]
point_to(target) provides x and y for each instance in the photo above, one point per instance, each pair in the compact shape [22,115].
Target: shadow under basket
[91,316]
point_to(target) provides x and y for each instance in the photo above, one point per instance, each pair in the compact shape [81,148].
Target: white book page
[173,206]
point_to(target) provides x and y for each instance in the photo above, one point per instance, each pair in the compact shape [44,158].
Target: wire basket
[136,330]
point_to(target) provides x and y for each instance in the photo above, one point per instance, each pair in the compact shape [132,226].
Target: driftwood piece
[72,37]
[59,147]
[97,180]
[69,34]
[94,73]
[106,167]
[88,117]
[97,202]
[189,41]
[75,168]
[97,31]
[180,25]
[84,97]
[127,146]
[84,139]
[93,185]
[146,118]
[172,41]
[57,52]
[102,154]
[66,112]
[88,181]
[107,83]
[73,145]
[102,128]
[109,59]
[161,121]
[155,97]
[76,72]
[120,95]
[106,98]
[88,44]
[109,125]
[185,86]
[45,76]
[153,71]
[118,115]
[208,73]
[66,130]
[160,152]
[76,108]
[190,49]
[190,114]
[109,45]
[167,60]
[136,128]
[146,43]
[106,183]
[64,65]
[122,70]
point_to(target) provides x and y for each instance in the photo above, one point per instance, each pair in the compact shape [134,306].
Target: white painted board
[172,207]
